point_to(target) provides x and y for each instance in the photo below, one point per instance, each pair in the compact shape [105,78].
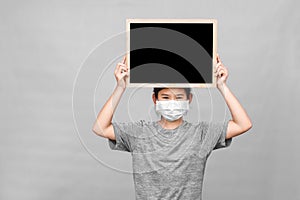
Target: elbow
[248,126]
[95,131]
[98,131]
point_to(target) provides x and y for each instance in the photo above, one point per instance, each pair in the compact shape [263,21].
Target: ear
[190,97]
[153,98]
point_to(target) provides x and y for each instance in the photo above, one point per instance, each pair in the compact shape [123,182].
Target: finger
[124,74]
[123,69]
[222,73]
[218,69]
[218,74]
[122,64]
[124,60]
[218,66]
[118,66]
[223,68]
[218,58]
[120,74]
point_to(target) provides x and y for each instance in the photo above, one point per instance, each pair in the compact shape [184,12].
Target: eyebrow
[176,94]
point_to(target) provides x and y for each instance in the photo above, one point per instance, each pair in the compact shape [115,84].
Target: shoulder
[207,126]
[138,123]
[132,128]
[199,124]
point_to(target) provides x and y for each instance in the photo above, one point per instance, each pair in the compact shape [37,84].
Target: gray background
[47,148]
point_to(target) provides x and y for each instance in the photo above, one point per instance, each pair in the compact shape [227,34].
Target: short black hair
[157,89]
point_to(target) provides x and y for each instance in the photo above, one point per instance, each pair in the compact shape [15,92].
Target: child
[169,155]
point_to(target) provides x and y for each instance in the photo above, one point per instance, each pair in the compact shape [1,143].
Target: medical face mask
[172,110]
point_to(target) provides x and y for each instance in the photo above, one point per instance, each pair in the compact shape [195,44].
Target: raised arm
[240,121]
[102,125]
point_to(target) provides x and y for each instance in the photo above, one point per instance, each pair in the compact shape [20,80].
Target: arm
[240,122]
[103,126]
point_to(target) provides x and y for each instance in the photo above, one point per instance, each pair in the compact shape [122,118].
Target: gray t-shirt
[169,164]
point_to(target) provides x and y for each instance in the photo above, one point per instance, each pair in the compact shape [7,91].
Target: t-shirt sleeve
[124,136]
[222,142]
[214,136]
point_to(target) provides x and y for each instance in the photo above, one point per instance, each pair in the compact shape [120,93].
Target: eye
[165,97]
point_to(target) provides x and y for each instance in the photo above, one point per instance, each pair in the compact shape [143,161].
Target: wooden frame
[181,85]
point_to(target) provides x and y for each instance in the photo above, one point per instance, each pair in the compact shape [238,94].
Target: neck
[170,125]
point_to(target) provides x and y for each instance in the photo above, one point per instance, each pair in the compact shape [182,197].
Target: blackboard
[171,52]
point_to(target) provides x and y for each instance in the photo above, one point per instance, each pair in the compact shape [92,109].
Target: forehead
[172,91]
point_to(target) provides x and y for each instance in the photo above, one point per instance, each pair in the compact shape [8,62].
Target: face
[166,94]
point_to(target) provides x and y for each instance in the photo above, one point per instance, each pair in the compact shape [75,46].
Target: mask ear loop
[156,113]
[186,112]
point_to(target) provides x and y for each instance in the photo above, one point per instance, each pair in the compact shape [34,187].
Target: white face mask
[172,110]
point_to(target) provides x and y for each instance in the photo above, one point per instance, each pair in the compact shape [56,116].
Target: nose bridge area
[173,97]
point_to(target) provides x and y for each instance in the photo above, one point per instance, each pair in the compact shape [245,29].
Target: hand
[121,73]
[221,73]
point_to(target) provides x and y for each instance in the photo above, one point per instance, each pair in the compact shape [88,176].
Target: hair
[156,90]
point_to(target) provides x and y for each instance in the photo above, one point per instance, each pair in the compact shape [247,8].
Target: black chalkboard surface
[171,52]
